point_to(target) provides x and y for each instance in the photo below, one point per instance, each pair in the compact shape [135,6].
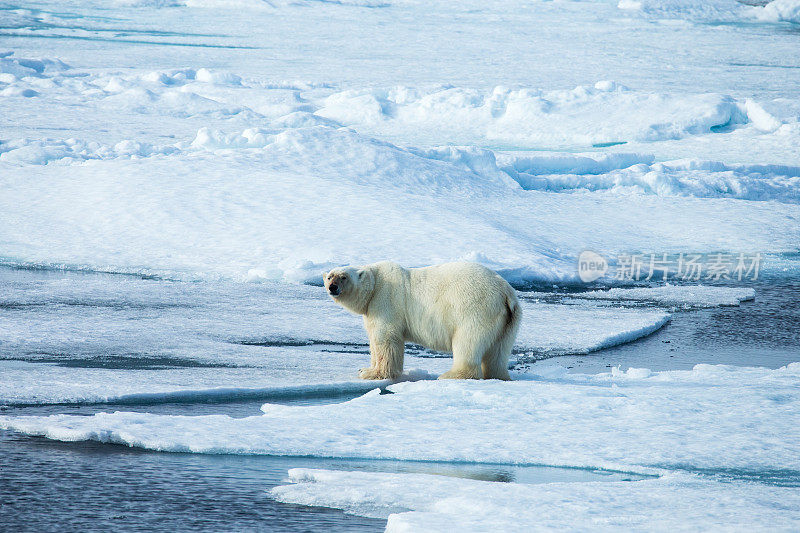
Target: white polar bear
[462,308]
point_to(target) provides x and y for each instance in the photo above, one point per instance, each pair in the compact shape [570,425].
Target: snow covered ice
[580,420]
[150,215]
[419,502]
[291,146]
[407,155]
[108,339]
[176,175]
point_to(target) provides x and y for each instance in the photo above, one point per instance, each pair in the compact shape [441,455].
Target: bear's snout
[334,289]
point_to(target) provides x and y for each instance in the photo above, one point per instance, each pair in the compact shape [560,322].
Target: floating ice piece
[676,295]
[732,418]
[421,502]
[549,330]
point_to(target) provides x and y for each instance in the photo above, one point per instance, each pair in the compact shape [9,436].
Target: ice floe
[90,338]
[550,330]
[28,384]
[712,417]
[420,502]
[677,295]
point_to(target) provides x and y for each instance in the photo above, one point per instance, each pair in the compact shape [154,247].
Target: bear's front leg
[372,373]
[386,357]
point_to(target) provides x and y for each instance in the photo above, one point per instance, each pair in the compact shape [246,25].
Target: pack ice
[290,163]
[179,141]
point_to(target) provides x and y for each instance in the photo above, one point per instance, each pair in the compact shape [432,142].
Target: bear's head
[350,287]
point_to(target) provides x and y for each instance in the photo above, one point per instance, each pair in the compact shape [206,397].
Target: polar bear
[462,308]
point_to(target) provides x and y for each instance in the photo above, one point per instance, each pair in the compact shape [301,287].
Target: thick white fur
[462,308]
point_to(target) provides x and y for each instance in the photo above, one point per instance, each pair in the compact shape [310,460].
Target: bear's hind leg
[467,355]
[495,362]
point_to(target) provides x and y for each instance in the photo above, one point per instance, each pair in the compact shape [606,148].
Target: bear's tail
[513,316]
[496,365]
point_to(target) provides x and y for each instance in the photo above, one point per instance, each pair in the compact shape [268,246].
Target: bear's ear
[361,273]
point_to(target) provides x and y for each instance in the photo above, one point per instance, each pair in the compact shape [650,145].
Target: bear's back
[457,291]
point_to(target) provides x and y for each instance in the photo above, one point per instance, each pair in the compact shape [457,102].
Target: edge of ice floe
[233,394]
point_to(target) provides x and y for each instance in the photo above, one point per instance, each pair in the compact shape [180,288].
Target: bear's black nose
[333,289]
